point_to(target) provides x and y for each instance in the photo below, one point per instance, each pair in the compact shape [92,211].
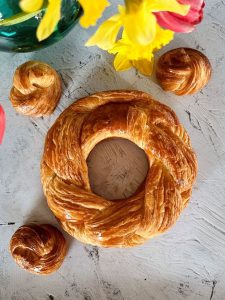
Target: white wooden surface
[188,262]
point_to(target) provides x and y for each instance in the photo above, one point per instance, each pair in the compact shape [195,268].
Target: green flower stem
[21,17]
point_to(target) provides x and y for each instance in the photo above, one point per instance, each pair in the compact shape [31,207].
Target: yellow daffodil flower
[142,35]
[130,54]
[93,10]
[50,19]
[138,20]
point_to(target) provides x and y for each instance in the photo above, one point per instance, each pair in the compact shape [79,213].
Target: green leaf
[19,18]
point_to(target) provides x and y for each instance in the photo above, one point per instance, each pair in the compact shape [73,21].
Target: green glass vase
[21,37]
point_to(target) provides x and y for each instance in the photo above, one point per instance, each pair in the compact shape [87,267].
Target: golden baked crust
[36,89]
[154,208]
[183,71]
[39,249]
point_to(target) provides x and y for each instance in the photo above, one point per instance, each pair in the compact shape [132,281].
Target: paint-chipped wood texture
[188,262]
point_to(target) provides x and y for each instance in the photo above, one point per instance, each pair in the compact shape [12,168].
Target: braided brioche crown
[183,71]
[39,249]
[154,207]
[36,89]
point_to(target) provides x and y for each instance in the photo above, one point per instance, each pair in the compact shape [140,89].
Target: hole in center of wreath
[117,168]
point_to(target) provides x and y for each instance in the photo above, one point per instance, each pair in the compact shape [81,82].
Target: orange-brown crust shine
[155,207]
[183,71]
[39,249]
[36,89]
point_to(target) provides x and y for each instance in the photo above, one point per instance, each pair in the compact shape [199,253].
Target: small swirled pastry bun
[183,71]
[39,249]
[36,89]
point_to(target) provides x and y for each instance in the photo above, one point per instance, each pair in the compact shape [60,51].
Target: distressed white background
[188,262]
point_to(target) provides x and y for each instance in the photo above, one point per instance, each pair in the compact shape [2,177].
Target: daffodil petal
[121,63]
[162,38]
[31,5]
[120,46]
[93,10]
[144,66]
[140,26]
[50,20]
[167,5]
[106,34]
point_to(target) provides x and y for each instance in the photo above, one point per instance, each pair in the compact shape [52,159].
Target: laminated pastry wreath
[156,206]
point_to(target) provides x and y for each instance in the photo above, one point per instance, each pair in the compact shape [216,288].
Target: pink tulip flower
[2,123]
[178,23]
